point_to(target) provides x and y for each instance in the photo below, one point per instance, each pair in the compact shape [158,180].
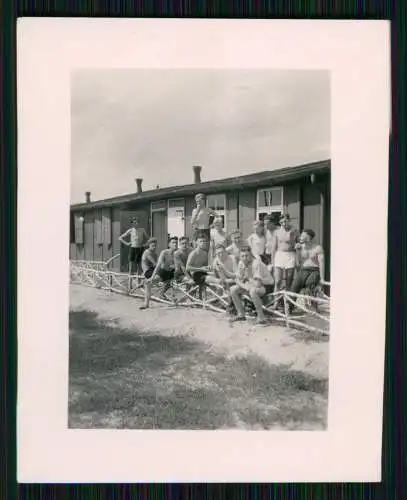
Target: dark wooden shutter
[98,227]
[292,204]
[107,226]
[231,211]
[247,211]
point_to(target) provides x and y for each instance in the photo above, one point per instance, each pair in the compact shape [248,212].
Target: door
[159,226]
[176,218]
[312,211]
[317,216]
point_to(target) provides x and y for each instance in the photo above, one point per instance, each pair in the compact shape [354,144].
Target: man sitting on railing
[253,278]
[197,264]
[234,248]
[148,264]
[224,266]
[165,269]
[310,265]
[180,259]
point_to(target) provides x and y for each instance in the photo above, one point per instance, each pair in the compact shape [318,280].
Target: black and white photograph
[199,249]
[202,228]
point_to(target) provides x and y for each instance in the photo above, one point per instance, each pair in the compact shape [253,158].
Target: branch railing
[314,309]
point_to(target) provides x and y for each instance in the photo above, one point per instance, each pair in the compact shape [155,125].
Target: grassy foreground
[124,379]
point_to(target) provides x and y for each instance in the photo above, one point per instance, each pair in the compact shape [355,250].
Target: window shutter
[71,228]
[98,227]
[79,229]
[107,226]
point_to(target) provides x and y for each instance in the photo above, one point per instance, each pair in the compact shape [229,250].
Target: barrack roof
[227,184]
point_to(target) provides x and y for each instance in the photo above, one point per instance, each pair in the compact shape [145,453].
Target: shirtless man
[148,264]
[197,264]
[311,264]
[200,217]
[164,269]
[283,253]
[180,258]
[137,237]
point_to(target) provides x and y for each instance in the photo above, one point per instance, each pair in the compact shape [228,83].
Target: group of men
[275,252]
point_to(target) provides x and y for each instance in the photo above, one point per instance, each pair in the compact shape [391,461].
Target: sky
[157,124]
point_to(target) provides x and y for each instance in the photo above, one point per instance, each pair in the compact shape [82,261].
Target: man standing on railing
[165,267]
[311,265]
[137,237]
[200,218]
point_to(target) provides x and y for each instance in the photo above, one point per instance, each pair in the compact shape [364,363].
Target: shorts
[284,260]
[308,278]
[135,254]
[179,275]
[166,274]
[201,232]
[199,277]
[148,273]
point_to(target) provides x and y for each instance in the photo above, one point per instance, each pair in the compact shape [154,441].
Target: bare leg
[129,277]
[278,281]
[255,295]
[296,286]
[289,275]
[147,295]
[235,292]
[166,286]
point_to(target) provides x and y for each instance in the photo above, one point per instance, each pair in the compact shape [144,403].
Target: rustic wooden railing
[312,312]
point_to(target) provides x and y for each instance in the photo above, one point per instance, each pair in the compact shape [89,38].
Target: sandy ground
[278,345]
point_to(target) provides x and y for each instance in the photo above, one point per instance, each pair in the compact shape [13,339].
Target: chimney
[197,174]
[87,194]
[139,183]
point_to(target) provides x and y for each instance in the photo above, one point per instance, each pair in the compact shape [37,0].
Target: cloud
[156,124]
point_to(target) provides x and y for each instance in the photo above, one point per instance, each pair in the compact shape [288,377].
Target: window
[158,206]
[217,202]
[176,217]
[270,201]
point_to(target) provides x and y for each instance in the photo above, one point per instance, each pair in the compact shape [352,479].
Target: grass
[125,379]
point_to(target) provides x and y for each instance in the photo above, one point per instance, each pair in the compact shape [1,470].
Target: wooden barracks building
[302,191]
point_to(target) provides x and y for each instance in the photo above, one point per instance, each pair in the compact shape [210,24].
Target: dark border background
[393,459]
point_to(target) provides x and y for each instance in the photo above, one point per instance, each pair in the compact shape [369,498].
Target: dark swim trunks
[135,254]
[166,275]
[149,272]
[199,277]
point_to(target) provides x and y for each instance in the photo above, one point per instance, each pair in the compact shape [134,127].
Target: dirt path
[279,346]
